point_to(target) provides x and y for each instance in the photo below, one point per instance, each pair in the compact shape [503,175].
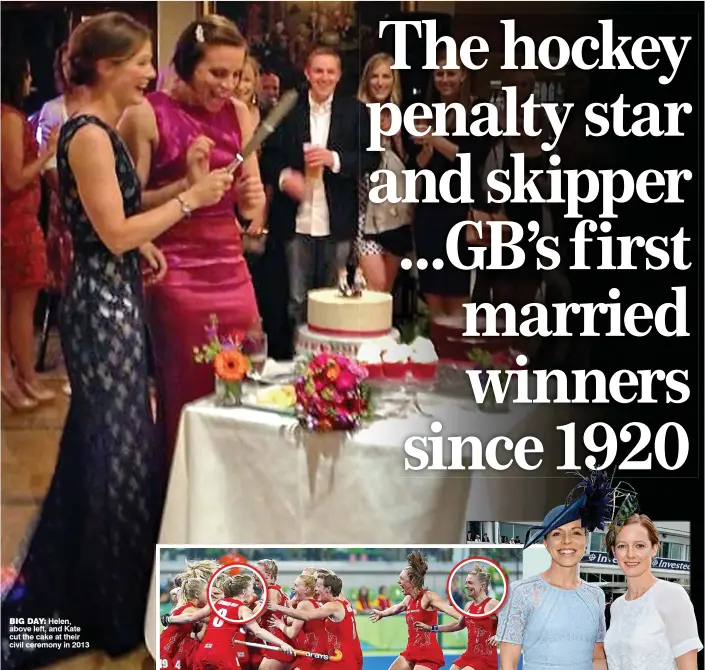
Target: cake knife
[266,128]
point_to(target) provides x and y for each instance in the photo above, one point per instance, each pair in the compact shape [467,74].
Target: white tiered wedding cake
[343,323]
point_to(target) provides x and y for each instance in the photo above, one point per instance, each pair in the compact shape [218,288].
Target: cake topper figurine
[351,282]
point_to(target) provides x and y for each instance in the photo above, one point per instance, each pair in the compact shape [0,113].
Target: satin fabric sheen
[207,273]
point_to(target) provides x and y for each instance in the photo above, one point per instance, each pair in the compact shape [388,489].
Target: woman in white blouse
[652,626]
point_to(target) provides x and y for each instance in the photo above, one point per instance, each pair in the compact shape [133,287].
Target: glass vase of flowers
[230,364]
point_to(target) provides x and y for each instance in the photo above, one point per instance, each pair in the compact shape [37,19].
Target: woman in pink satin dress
[174,137]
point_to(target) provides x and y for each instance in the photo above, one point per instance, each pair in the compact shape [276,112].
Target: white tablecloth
[243,476]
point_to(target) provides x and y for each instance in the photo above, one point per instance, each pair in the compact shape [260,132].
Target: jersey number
[218,623]
[349,608]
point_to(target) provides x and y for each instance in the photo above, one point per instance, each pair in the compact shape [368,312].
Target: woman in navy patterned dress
[90,556]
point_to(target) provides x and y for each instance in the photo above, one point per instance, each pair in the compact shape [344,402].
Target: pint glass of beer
[311,174]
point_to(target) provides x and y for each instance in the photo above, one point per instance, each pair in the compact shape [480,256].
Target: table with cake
[237,469]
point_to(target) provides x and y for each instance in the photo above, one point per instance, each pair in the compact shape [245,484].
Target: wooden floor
[29,447]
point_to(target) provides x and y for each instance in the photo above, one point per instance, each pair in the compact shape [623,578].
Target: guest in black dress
[90,557]
[517,286]
[445,290]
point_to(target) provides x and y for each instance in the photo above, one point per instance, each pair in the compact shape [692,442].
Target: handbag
[386,216]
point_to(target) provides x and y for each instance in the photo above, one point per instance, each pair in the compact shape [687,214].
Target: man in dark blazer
[314,162]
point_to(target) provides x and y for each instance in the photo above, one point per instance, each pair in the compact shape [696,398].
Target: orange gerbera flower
[333,371]
[230,365]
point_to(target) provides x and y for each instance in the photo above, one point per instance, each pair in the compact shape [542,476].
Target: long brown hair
[111,36]
[212,30]
[644,521]
[465,97]
[418,567]
[238,585]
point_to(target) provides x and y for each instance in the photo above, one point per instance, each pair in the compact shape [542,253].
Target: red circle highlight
[257,574]
[477,559]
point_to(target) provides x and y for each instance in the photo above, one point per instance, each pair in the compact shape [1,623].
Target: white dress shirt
[53,114]
[313,217]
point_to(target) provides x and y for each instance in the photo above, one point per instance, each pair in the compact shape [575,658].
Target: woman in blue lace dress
[556,619]
[90,557]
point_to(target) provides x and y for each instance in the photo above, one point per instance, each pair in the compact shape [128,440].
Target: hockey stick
[335,657]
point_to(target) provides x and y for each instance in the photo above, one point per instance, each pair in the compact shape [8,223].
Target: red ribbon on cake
[348,333]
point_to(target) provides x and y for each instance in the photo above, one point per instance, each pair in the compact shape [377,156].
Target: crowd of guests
[504,539]
[314,216]
[365,603]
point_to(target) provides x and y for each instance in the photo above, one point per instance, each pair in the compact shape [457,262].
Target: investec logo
[660,563]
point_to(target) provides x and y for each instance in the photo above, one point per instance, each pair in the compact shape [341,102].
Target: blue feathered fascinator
[591,501]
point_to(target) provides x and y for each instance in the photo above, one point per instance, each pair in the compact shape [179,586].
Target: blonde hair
[309,571]
[191,589]
[269,567]
[203,569]
[252,62]
[222,582]
[482,576]
[309,582]
[363,91]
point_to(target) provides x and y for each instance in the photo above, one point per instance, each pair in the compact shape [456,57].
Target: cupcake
[395,361]
[369,355]
[424,359]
